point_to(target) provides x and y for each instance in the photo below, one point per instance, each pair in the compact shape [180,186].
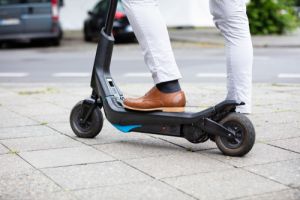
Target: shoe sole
[162,109]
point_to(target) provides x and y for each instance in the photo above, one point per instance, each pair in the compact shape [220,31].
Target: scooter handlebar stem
[110,17]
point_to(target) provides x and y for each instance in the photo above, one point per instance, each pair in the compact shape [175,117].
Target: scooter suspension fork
[89,105]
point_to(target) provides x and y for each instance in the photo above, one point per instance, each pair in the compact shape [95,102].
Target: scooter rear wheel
[245,135]
[93,125]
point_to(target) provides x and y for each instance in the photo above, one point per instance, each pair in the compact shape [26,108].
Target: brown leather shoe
[154,100]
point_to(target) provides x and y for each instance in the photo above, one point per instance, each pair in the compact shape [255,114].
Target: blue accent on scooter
[126,129]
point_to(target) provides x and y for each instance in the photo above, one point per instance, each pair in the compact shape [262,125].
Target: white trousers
[230,18]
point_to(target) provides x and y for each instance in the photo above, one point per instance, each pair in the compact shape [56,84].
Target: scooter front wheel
[90,127]
[244,135]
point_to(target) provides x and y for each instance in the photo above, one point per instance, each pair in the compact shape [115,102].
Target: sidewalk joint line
[265,177]
[79,164]
[106,186]
[279,139]
[179,190]
[40,172]
[198,173]
[272,145]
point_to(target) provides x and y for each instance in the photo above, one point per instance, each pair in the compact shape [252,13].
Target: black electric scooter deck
[235,139]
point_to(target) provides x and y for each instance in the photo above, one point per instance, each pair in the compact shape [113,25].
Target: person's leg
[231,19]
[152,35]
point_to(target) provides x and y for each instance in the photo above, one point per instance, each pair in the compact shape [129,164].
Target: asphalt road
[73,61]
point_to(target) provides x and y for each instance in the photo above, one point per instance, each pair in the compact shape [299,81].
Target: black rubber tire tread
[87,38]
[96,126]
[55,42]
[249,136]
[87,35]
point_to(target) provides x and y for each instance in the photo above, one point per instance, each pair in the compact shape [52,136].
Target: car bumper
[30,36]
[123,31]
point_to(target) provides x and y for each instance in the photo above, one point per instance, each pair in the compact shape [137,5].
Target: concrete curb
[211,36]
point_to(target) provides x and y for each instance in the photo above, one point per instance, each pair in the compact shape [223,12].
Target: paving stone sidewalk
[40,157]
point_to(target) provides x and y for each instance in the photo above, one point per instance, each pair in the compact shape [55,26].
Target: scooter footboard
[170,130]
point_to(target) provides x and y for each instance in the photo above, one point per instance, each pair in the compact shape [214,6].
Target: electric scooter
[232,132]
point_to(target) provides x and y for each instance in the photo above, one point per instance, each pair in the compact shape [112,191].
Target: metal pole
[110,17]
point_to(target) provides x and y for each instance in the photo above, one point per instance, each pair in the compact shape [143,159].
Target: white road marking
[137,75]
[288,75]
[13,74]
[71,75]
[211,75]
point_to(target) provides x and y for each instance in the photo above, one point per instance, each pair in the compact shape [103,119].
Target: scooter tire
[93,125]
[245,135]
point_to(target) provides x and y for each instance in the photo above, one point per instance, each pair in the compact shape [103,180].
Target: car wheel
[55,42]
[87,34]
[87,38]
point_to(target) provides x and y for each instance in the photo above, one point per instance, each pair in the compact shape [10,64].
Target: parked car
[28,20]
[96,20]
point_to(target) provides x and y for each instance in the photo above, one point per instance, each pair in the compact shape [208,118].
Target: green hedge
[272,16]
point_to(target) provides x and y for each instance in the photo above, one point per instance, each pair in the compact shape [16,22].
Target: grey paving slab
[10,119]
[199,170]
[180,164]
[285,172]
[37,109]
[34,90]
[82,91]
[287,106]
[288,118]
[3,149]
[12,98]
[269,132]
[40,196]
[61,99]
[226,184]
[62,127]
[5,92]
[49,118]
[260,154]
[292,144]
[26,186]
[133,191]
[281,195]
[95,175]
[64,157]
[186,144]
[265,93]
[40,143]
[259,108]
[13,164]
[139,148]
[26,131]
